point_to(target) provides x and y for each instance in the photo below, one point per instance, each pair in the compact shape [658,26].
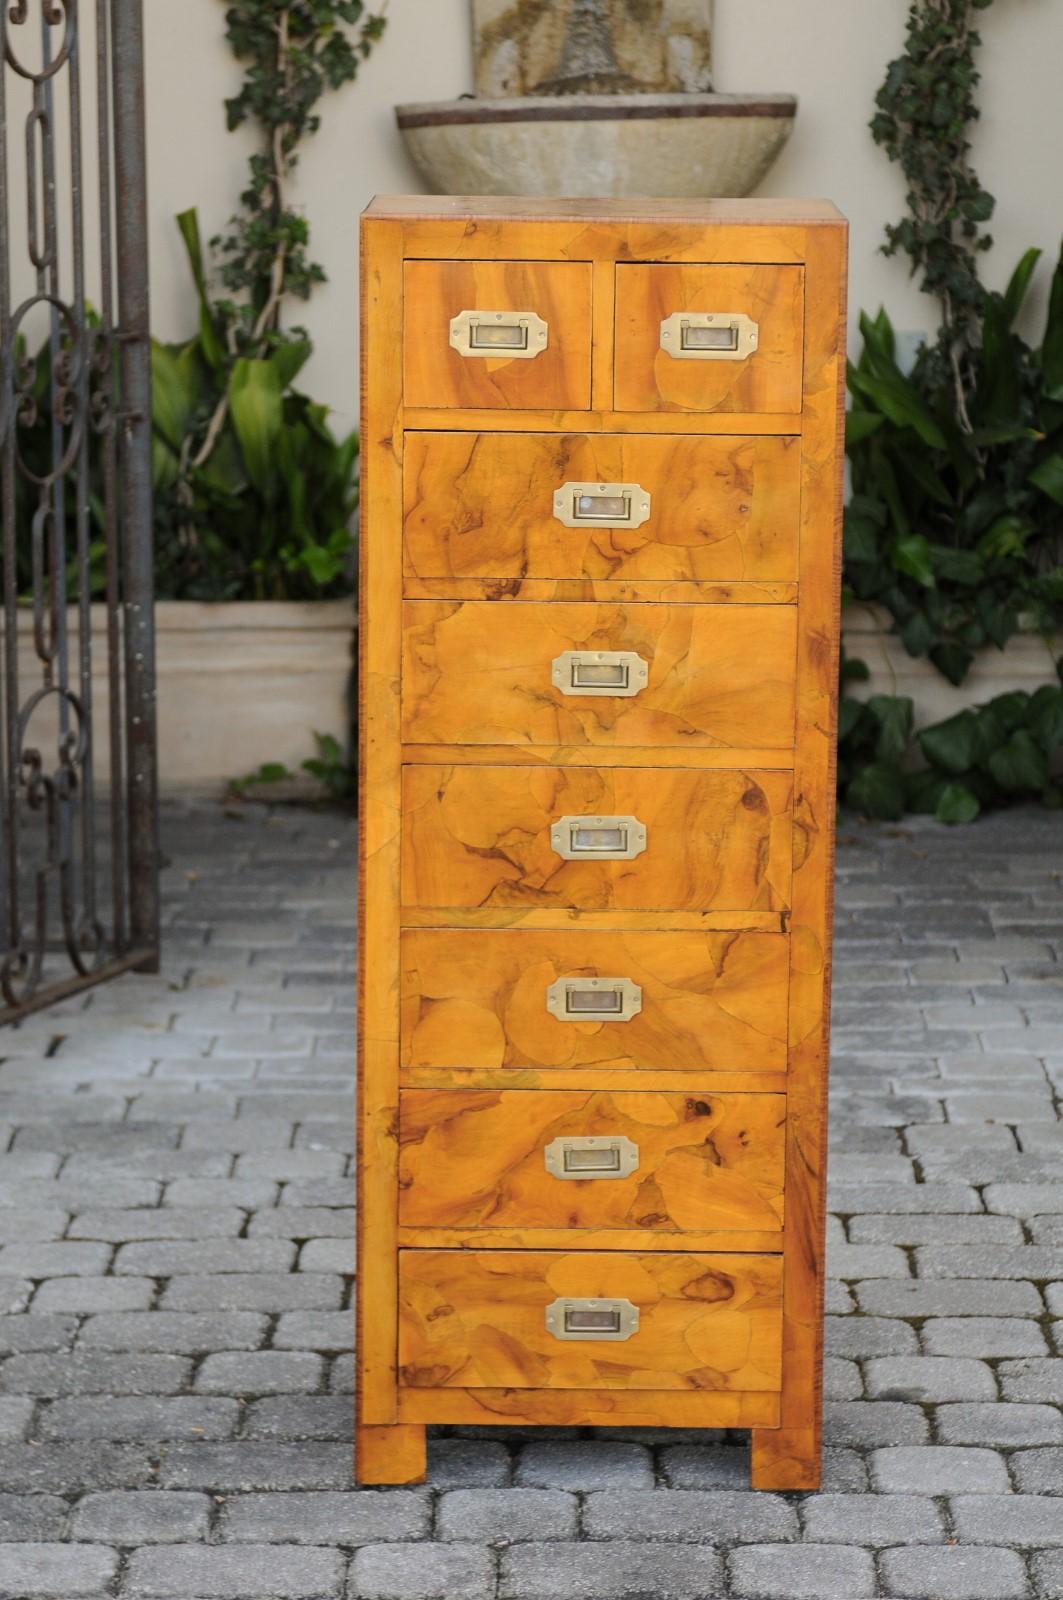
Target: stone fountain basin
[626,145]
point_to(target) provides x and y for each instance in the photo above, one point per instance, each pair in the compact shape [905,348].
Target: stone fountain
[596,97]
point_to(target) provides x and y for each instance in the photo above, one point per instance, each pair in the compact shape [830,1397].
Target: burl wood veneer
[599,638]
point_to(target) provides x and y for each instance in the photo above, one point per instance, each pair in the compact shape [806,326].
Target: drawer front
[477,1158]
[479,1320]
[502,506]
[566,838]
[698,676]
[448,356]
[482,999]
[652,372]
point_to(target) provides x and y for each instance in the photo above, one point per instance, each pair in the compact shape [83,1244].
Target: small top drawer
[514,334]
[708,338]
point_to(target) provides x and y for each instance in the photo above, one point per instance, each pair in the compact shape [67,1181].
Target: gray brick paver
[181,1400]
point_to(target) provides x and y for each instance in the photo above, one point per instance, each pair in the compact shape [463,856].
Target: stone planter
[1027,663]
[239,684]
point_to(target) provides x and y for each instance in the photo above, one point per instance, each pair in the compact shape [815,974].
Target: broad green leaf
[911,555]
[959,566]
[1045,717]
[1020,766]
[1000,386]
[893,713]
[290,358]
[860,425]
[255,398]
[1019,283]
[853,670]
[956,803]
[951,745]
[917,634]
[213,349]
[1048,477]
[173,394]
[1010,709]
[1052,349]
[902,403]
[860,537]
[952,660]
[850,714]
[878,791]
[1006,537]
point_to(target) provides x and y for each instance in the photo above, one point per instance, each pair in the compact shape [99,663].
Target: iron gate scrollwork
[78,869]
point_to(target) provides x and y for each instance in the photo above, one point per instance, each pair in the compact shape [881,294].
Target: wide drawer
[476,1320]
[497,333]
[607,508]
[670,1001]
[709,338]
[596,838]
[478,1158]
[570,674]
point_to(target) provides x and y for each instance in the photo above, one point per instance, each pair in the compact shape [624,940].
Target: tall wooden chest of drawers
[599,636]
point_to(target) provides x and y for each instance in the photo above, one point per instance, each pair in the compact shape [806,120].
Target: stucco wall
[830,52]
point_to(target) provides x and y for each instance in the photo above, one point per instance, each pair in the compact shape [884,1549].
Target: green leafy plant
[330,768]
[955,523]
[958,533]
[254,493]
[925,109]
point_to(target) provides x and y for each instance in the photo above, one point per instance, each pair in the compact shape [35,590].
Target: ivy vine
[926,110]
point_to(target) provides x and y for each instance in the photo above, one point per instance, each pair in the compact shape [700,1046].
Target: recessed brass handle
[592,1319]
[594,999]
[709,335]
[598,1156]
[604,505]
[511,335]
[598,838]
[620,673]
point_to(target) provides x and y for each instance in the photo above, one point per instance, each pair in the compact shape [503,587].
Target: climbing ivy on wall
[925,111]
[254,494]
[955,522]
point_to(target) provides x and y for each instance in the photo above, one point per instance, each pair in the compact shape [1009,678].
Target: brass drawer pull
[594,999]
[592,1319]
[598,838]
[709,335]
[599,1157]
[605,505]
[518,335]
[621,673]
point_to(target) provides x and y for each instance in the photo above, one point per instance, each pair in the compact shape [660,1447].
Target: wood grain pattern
[593,249]
[474,673]
[680,589]
[436,375]
[790,1456]
[593,1408]
[707,757]
[480,837]
[604,420]
[477,1320]
[390,1454]
[648,379]
[378,815]
[478,999]
[475,1158]
[742,1081]
[480,505]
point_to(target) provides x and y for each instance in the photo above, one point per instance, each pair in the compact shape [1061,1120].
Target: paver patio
[175,1251]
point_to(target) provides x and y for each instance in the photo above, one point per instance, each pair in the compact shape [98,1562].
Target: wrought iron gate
[78,893]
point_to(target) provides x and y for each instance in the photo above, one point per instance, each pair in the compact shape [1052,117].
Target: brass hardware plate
[603,505]
[507,335]
[709,335]
[598,838]
[592,1319]
[594,999]
[620,673]
[602,1156]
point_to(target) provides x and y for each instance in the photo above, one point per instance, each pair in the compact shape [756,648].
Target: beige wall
[831,53]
